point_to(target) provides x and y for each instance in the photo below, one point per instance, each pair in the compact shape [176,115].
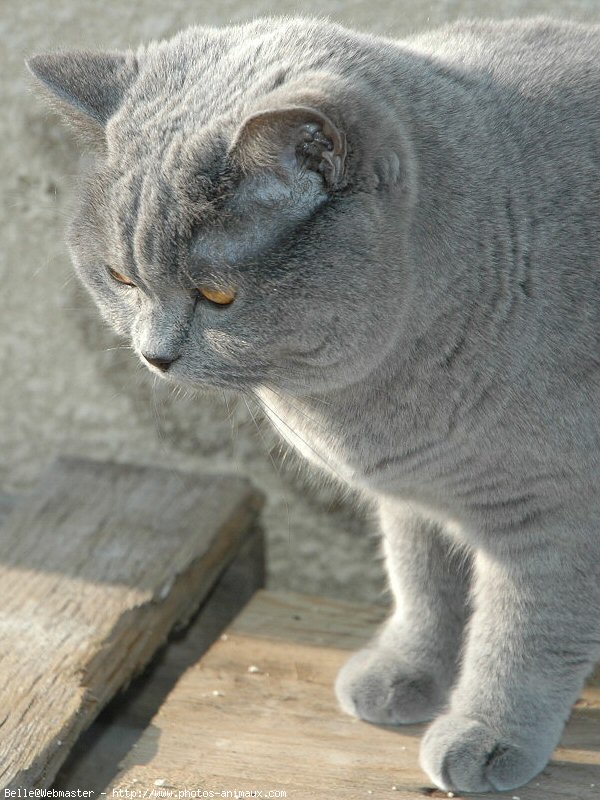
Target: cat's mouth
[176,371]
[216,368]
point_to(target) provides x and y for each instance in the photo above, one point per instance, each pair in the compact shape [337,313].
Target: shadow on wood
[96,568]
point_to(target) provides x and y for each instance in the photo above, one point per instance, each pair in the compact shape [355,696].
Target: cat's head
[235,224]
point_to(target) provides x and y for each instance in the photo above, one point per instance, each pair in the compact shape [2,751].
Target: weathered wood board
[258,713]
[96,566]
[94,760]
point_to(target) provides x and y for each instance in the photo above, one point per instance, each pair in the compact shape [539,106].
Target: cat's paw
[464,755]
[380,687]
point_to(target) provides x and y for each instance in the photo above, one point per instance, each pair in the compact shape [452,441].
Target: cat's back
[537,55]
[530,92]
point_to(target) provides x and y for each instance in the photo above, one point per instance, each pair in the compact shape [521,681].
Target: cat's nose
[159,362]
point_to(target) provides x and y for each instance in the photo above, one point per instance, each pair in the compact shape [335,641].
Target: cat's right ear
[290,140]
[86,87]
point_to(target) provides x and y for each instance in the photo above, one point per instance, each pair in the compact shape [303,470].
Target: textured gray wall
[66,386]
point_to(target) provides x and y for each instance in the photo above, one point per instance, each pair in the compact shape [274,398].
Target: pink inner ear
[287,139]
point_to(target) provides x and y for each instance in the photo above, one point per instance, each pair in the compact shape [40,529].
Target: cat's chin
[207,385]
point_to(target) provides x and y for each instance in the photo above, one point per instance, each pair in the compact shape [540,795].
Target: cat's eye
[221,297]
[120,277]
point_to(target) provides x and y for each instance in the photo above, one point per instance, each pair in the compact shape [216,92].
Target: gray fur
[417,309]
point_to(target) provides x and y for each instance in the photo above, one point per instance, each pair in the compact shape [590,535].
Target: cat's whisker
[299,376]
[74,308]
[296,408]
[230,416]
[68,280]
[273,462]
[314,399]
[156,411]
[295,433]
[42,267]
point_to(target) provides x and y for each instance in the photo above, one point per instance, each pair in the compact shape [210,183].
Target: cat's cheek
[120,319]
[125,310]
[225,346]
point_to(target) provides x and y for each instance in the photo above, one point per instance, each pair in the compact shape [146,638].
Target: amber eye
[121,278]
[222,297]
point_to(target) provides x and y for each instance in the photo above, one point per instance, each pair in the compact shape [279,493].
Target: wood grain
[96,567]
[258,713]
[94,761]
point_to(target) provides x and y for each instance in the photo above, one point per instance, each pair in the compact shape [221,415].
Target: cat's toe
[381,688]
[463,754]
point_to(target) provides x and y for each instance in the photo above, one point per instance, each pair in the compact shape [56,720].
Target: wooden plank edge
[178,602]
[95,760]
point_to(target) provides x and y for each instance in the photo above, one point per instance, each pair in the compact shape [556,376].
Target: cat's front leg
[406,672]
[533,638]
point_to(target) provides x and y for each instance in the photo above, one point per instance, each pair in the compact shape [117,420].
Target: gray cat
[395,246]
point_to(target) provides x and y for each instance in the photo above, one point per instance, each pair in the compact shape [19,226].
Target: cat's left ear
[87,87]
[289,140]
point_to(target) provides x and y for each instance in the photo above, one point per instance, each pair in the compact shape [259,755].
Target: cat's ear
[290,140]
[87,87]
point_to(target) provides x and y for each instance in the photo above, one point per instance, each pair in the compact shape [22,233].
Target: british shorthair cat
[395,247]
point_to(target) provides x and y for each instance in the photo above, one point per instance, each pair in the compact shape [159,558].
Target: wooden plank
[258,713]
[96,567]
[94,760]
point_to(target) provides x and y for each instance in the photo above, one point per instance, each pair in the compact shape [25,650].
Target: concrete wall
[66,386]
